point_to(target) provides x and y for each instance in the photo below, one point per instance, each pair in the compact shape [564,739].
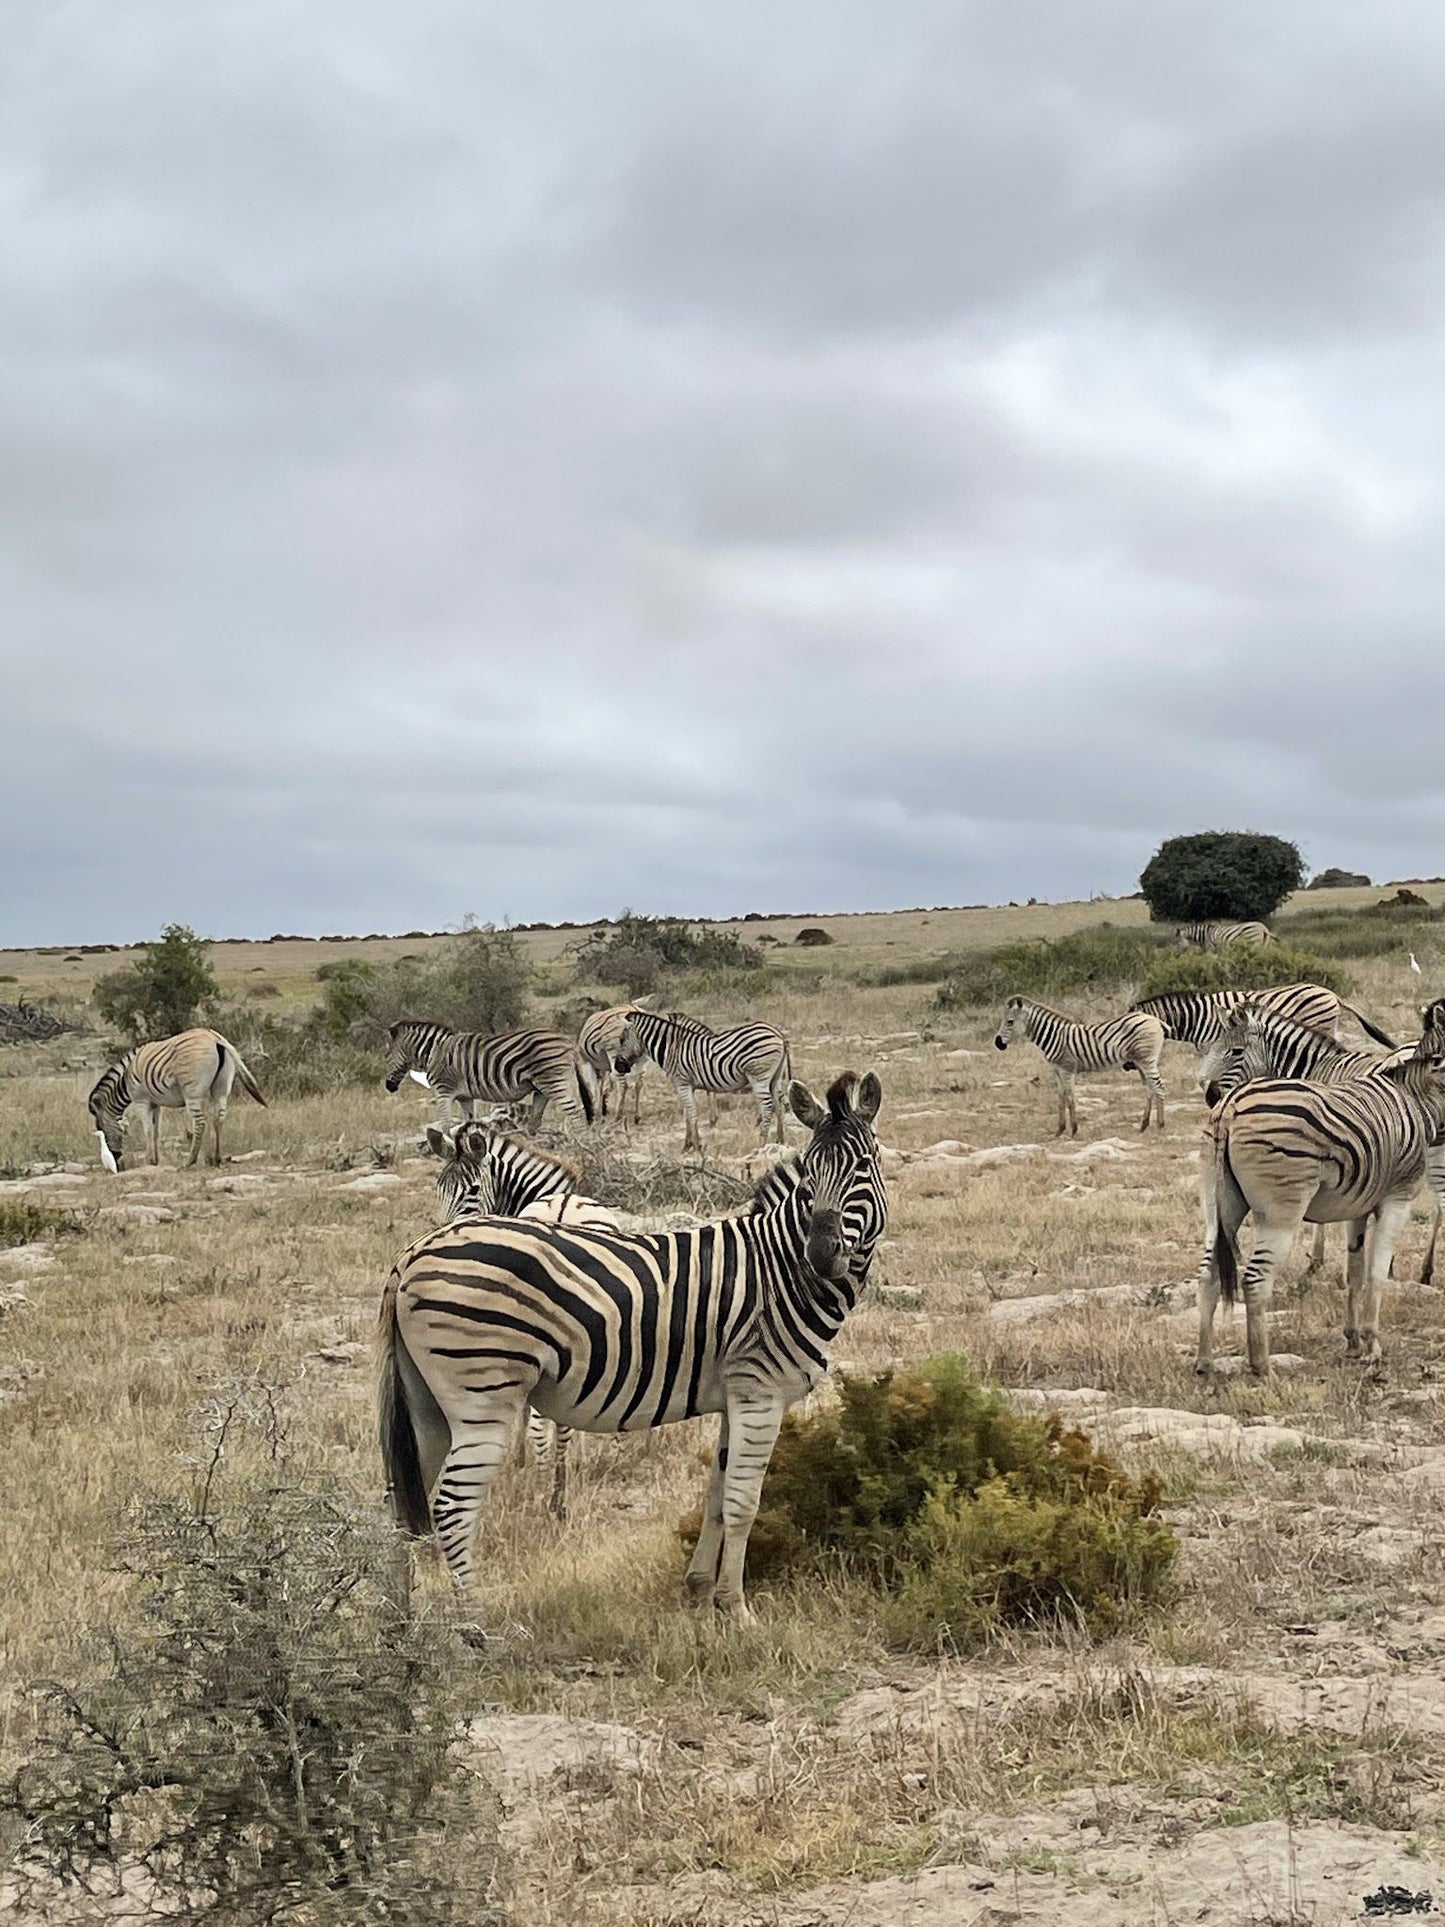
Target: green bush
[23,1222]
[296,1056]
[479,979]
[968,1516]
[163,992]
[636,952]
[1237,875]
[1104,957]
[1242,968]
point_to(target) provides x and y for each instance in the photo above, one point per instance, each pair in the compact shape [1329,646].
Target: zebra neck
[778,1240]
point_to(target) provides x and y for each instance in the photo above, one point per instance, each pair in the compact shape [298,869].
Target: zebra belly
[554,1401]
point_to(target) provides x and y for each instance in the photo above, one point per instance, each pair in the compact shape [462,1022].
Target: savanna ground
[1268,1749]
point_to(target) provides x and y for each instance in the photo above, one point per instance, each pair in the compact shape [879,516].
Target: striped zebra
[1224,936]
[1260,1042]
[1134,1042]
[467,1065]
[1292,1153]
[1198,1017]
[619,1333]
[196,1069]
[751,1057]
[597,1044]
[489,1174]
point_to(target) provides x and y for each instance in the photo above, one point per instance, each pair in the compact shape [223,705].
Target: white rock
[28,1257]
[373,1181]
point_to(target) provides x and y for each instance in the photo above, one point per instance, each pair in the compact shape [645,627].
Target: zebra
[196,1068]
[1294,1152]
[1131,1043]
[1224,936]
[466,1065]
[1259,1042]
[618,1333]
[490,1174]
[597,1043]
[1198,1017]
[751,1057]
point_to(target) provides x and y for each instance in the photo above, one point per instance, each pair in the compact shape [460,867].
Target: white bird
[1414,966]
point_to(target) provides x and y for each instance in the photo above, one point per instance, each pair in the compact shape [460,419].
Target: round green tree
[163,991]
[1229,875]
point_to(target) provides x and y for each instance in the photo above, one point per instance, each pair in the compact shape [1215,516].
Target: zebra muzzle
[1000,1043]
[827,1255]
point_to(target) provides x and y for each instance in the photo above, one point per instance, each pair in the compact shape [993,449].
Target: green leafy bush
[23,1222]
[1242,968]
[1104,957]
[479,979]
[967,1515]
[1237,875]
[164,991]
[636,952]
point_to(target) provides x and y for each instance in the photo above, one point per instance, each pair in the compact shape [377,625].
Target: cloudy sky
[530,460]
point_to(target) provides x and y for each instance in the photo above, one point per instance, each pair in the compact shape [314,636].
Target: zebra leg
[561,1450]
[763,1097]
[1068,1111]
[1356,1248]
[692,1137]
[1209,1269]
[702,1571]
[479,1445]
[1271,1247]
[539,1105]
[150,1126]
[1389,1222]
[1435,1176]
[196,1125]
[753,1422]
[218,1118]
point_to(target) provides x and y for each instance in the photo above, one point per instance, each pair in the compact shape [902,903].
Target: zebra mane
[777,1183]
[109,1082]
[469,1132]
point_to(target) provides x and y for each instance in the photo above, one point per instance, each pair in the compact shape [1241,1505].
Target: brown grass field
[1268,1750]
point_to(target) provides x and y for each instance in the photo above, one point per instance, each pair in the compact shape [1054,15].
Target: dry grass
[750,1775]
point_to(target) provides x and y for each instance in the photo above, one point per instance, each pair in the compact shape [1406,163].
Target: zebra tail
[405,1486]
[584,1090]
[1372,1030]
[1226,1249]
[248,1083]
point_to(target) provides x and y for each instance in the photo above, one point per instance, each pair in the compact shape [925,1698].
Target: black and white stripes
[196,1069]
[1134,1042]
[615,1333]
[466,1065]
[750,1057]
[1223,936]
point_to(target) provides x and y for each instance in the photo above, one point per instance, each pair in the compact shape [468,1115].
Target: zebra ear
[470,1140]
[868,1098]
[438,1143]
[805,1107]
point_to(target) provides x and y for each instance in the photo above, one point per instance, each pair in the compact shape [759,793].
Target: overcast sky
[529,460]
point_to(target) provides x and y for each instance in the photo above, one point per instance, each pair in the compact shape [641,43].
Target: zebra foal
[750,1057]
[1134,1042]
[489,1174]
[1224,936]
[612,1332]
[1292,1152]
[466,1065]
[195,1068]
[597,1045]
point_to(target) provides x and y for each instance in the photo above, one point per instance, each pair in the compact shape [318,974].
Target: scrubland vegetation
[1229,1644]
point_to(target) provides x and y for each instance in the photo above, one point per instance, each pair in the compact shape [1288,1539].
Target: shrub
[1104,957]
[813,938]
[635,952]
[1337,879]
[1232,874]
[163,991]
[272,1744]
[1241,968]
[479,979]
[22,1221]
[968,1516]
[296,1057]
[1377,930]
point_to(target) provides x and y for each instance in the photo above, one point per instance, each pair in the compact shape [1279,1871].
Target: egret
[1413,965]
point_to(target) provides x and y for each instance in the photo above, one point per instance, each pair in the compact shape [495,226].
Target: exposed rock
[372,1181]
[28,1257]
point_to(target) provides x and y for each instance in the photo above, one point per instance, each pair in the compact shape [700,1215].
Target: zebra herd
[532,1309]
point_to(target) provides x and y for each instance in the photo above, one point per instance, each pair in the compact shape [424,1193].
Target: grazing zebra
[751,1057]
[1198,1017]
[196,1068]
[466,1065]
[1224,936]
[1293,1152]
[1131,1043]
[597,1043]
[618,1333]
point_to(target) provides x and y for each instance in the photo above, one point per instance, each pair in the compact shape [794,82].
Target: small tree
[1235,875]
[163,991]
